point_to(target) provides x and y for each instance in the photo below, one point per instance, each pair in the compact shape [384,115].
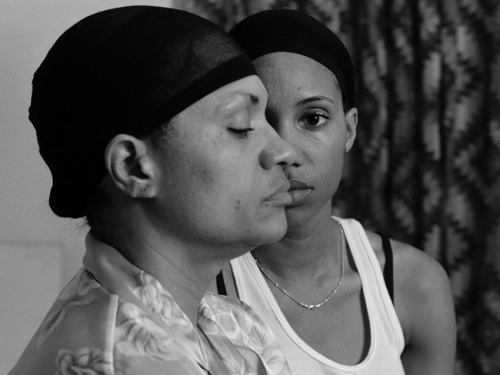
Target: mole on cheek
[238,205]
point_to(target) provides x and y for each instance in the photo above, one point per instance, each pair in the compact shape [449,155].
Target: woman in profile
[151,121]
[327,289]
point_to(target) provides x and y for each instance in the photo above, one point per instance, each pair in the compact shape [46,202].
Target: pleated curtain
[425,167]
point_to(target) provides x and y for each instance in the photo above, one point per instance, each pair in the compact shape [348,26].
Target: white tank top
[387,341]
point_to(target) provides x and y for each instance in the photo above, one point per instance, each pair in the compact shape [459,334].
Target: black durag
[121,71]
[286,30]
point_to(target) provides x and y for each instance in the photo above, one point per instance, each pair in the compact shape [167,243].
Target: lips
[299,192]
[281,196]
[298,185]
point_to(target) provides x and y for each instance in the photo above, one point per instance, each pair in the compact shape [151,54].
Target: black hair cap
[125,70]
[286,30]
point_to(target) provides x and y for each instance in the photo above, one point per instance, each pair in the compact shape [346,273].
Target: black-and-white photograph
[250,187]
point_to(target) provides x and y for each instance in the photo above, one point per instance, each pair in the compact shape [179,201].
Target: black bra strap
[389,265]
[221,286]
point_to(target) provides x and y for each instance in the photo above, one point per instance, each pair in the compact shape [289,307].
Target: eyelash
[316,113]
[241,133]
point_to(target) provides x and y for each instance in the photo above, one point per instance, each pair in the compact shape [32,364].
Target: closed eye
[241,133]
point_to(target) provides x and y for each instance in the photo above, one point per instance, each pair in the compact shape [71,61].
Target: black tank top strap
[221,286]
[389,265]
[388,270]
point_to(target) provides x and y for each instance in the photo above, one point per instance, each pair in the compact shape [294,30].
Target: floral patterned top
[113,318]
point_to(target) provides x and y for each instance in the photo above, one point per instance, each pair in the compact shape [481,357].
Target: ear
[129,162]
[351,118]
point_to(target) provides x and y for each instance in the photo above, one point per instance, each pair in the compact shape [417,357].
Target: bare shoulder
[424,306]
[416,274]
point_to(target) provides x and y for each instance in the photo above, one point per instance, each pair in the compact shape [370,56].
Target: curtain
[425,167]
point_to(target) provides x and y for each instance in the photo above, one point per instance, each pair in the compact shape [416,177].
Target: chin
[270,232]
[276,231]
[294,215]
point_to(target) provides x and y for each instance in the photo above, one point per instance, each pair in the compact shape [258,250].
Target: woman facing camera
[151,121]
[327,289]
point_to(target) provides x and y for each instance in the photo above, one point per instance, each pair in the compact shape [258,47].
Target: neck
[184,269]
[173,265]
[308,249]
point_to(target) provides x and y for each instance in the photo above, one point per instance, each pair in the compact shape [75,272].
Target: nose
[278,152]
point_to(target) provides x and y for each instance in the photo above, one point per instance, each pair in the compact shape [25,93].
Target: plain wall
[39,252]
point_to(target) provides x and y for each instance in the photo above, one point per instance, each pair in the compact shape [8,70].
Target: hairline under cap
[287,30]
[232,70]
[284,45]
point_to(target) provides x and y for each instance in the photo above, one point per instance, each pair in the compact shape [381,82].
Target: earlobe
[351,123]
[130,166]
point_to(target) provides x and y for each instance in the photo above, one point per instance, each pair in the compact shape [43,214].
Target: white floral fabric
[115,319]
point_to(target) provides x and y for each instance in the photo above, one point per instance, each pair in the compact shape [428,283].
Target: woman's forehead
[244,92]
[292,69]
[249,89]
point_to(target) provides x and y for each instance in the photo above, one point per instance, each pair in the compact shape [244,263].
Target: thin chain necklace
[305,305]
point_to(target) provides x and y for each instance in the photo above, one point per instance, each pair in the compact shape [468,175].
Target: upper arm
[425,309]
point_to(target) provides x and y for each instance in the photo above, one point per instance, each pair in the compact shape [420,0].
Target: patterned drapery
[426,164]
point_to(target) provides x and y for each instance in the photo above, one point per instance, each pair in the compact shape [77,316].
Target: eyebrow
[314,99]
[229,99]
[254,99]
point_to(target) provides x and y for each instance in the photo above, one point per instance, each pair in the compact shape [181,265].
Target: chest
[339,330]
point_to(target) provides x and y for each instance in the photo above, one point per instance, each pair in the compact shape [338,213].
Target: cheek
[218,171]
[336,157]
[201,163]
[236,190]
[203,172]
[221,175]
[325,148]
[329,160]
